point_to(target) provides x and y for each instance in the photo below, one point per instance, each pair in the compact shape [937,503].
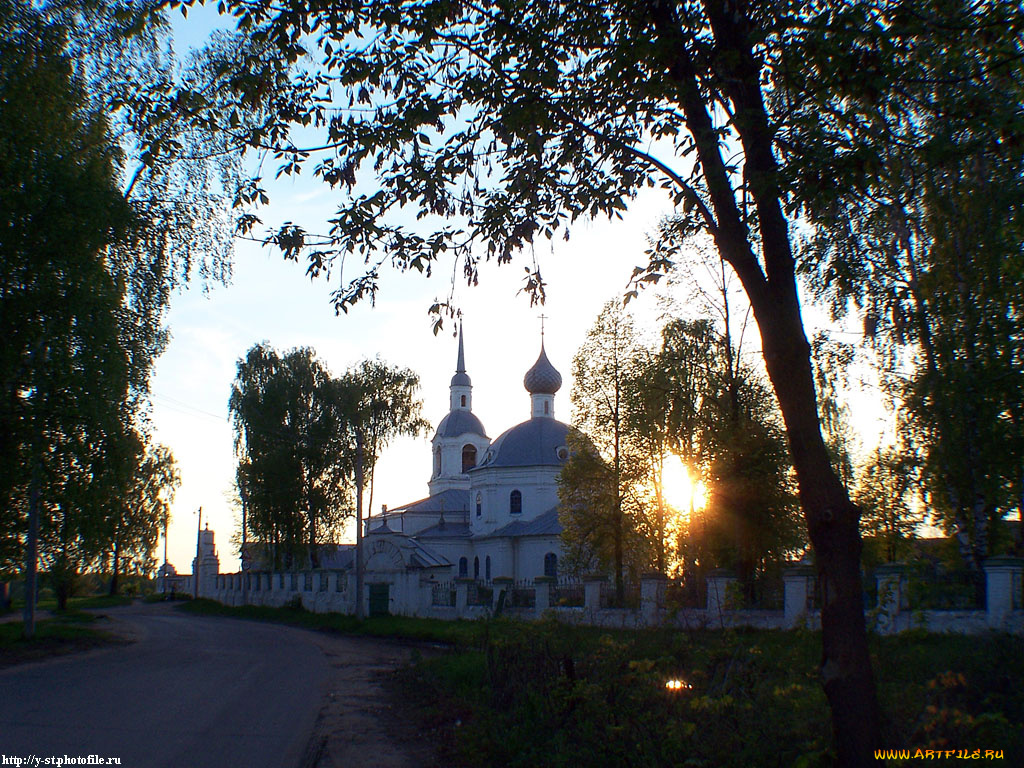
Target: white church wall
[531,553]
[538,486]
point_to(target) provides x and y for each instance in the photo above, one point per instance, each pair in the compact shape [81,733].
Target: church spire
[461,386]
[460,365]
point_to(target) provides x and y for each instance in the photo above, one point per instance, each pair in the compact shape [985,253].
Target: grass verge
[454,633]
[91,602]
[67,633]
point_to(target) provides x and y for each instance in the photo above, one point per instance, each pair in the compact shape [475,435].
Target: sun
[681,491]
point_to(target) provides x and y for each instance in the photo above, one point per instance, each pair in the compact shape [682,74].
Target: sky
[271,300]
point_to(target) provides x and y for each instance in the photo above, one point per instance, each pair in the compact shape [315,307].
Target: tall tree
[922,233]
[376,403]
[885,490]
[517,118]
[294,463]
[603,370]
[66,368]
[138,511]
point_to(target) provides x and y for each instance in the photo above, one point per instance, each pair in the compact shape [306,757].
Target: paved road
[191,692]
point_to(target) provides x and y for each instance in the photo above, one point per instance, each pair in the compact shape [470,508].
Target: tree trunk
[31,555]
[832,519]
[833,525]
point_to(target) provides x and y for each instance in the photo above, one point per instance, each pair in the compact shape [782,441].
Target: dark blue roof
[449,530]
[340,557]
[451,501]
[460,423]
[545,524]
[532,443]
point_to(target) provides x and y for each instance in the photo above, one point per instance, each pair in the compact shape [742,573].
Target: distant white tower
[460,440]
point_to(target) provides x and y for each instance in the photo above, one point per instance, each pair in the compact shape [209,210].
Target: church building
[492,508]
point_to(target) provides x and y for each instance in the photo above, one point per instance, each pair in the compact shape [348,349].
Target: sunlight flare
[682,491]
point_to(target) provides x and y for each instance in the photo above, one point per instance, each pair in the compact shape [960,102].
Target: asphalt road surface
[190,692]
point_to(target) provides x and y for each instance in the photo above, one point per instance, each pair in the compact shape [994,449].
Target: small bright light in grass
[676,685]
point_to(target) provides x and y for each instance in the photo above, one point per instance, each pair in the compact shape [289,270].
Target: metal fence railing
[443,594]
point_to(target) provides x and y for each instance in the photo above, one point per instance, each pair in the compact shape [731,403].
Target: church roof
[337,557]
[460,423]
[451,501]
[545,524]
[542,378]
[533,443]
[458,529]
[423,557]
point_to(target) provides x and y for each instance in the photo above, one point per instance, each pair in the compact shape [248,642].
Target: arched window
[479,505]
[547,407]
[551,565]
[476,567]
[463,401]
[487,568]
[515,502]
[437,461]
[468,457]
[463,567]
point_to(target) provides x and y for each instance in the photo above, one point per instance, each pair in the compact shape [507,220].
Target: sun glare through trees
[683,492]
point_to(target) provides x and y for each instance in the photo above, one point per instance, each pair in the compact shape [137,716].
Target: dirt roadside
[361,723]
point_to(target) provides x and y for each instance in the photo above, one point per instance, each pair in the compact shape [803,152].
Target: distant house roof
[545,524]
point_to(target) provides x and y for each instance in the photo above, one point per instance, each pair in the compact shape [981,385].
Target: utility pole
[164,580]
[195,569]
[360,610]
[241,559]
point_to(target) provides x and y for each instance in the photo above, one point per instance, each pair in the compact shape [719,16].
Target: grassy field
[545,694]
[76,603]
[68,632]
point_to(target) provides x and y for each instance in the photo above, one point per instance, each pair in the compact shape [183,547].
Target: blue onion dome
[542,379]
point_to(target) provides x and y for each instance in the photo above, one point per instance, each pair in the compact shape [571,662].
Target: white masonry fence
[593,601]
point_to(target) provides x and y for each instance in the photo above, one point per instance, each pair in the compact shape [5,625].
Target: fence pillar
[462,594]
[719,581]
[797,581]
[542,594]
[891,581]
[1002,588]
[592,592]
[652,596]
